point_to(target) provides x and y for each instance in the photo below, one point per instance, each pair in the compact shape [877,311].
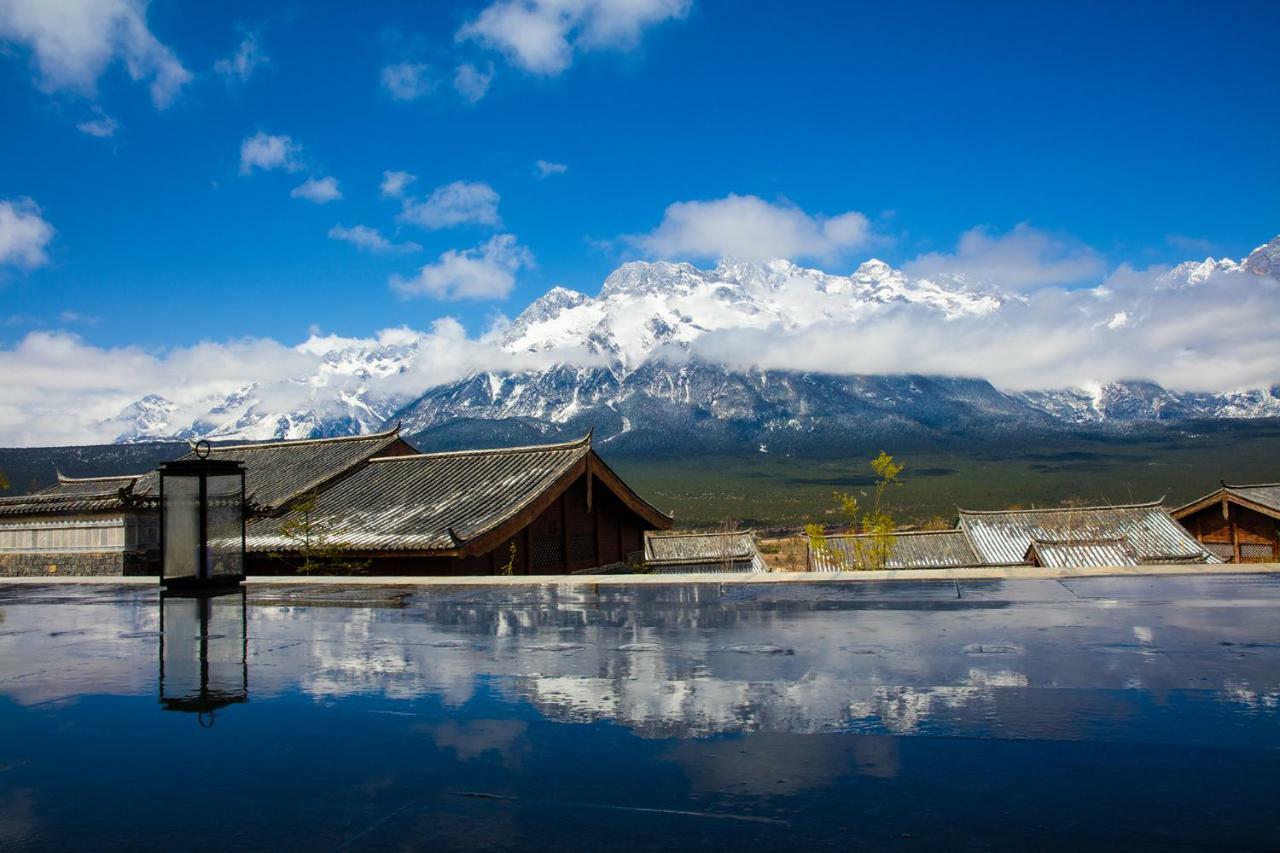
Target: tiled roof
[79,495]
[1261,496]
[1002,538]
[429,501]
[277,472]
[923,549]
[700,550]
[1081,554]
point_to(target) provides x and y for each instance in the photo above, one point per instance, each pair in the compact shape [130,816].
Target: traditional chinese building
[370,503]
[82,526]
[1240,524]
[684,553]
[1068,537]
[544,509]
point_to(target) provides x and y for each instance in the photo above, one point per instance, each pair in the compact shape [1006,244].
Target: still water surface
[1107,713]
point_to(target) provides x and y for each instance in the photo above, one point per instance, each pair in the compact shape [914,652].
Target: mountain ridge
[626,361]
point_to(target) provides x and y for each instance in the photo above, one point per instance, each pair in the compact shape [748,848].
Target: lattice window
[582,547]
[546,553]
[1251,552]
[1222,550]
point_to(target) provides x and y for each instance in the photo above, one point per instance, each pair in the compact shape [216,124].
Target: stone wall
[78,564]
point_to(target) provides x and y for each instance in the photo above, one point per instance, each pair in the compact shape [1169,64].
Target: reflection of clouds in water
[1242,694]
[49,654]
[691,661]
[472,739]
[902,709]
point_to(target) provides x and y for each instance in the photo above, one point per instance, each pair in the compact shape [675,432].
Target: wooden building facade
[1240,524]
[538,510]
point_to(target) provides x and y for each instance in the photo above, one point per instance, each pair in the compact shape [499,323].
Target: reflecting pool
[1107,713]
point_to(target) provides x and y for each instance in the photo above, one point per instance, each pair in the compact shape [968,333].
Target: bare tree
[312,543]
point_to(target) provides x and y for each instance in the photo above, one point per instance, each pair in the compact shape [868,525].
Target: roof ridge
[668,534]
[1147,504]
[1247,486]
[293,442]
[1091,540]
[895,533]
[585,441]
[63,478]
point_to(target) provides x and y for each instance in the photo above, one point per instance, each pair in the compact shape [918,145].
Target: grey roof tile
[427,502]
[1002,537]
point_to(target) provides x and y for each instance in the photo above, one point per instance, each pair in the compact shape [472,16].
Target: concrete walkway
[1007,573]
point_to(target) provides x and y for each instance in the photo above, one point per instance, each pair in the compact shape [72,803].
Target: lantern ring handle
[203,448]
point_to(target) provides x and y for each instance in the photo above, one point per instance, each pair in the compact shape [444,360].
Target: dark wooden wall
[1243,536]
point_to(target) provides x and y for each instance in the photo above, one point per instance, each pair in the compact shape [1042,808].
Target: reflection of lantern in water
[201,521]
[203,647]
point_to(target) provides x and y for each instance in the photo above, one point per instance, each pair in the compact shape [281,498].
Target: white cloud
[264,151]
[58,389]
[750,228]
[458,203]
[318,190]
[369,239]
[394,183]
[102,126]
[73,43]
[248,57]
[541,36]
[545,169]
[408,81]
[1131,327]
[24,234]
[485,272]
[472,83]
[1023,259]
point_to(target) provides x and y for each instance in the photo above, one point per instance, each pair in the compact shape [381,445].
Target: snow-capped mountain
[643,307]
[626,363]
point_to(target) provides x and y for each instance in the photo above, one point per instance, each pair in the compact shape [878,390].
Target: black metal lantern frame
[202,515]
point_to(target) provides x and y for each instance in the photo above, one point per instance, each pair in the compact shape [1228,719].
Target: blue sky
[1138,132]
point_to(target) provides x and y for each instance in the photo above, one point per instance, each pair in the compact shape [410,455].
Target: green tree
[312,543]
[873,548]
[4,482]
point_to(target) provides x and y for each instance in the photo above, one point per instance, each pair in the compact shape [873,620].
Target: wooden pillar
[528,553]
[595,526]
[1235,537]
[564,533]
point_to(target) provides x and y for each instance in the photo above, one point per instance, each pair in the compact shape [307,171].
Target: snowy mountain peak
[649,278]
[1264,260]
[609,359]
